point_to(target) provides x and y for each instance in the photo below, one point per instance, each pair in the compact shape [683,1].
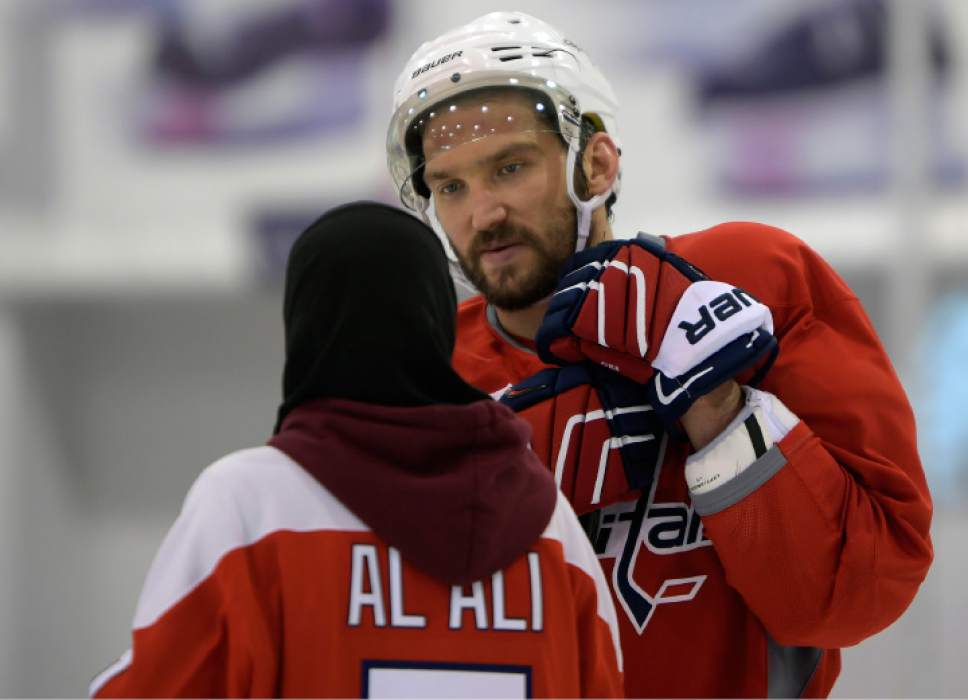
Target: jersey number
[419,679]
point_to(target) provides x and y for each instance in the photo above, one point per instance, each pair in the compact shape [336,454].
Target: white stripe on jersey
[110,672]
[578,552]
[237,501]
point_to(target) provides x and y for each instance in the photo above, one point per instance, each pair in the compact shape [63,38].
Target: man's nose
[488,212]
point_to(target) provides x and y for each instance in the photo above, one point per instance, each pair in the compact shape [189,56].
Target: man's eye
[511,168]
[449,188]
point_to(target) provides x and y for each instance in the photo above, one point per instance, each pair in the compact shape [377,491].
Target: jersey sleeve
[826,535]
[201,621]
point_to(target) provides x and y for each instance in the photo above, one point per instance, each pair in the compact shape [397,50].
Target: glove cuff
[761,423]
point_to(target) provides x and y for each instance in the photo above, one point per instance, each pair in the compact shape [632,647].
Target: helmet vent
[536,52]
[548,51]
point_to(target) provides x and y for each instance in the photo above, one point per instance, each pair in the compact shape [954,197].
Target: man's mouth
[497,254]
[496,247]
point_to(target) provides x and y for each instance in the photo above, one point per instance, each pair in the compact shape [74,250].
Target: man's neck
[523,323]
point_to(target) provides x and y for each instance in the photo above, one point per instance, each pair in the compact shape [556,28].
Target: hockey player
[754,531]
[396,537]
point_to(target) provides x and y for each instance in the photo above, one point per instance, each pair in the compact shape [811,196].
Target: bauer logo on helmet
[433,64]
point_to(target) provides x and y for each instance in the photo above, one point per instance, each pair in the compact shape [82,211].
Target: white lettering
[475,601]
[364,556]
[510,624]
[537,597]
[398,618]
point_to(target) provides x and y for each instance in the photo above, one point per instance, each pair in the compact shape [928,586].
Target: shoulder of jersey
[235,503]
[774,265]
[272,492]
[747,236]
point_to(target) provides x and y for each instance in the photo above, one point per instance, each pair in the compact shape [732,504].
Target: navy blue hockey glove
[594,429]
[653,317]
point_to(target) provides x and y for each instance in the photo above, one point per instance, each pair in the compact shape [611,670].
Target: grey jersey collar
[492,319]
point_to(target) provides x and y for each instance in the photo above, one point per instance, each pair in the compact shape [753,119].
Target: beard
[511,289]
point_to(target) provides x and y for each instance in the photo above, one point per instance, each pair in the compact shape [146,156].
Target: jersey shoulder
[234,504]
[777,267]
[267,492]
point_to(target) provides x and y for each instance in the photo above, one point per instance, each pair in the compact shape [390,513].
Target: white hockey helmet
[499,50]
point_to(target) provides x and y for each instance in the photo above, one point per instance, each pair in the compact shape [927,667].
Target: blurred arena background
[157,158]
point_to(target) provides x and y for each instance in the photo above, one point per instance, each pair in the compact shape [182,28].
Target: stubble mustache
[500,237]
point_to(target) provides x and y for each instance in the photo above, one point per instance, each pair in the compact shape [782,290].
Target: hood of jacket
[455,488]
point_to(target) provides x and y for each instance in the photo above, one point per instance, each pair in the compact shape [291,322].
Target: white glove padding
[716,331]
[708,316]
[762,422]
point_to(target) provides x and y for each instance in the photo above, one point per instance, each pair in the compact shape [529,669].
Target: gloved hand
[594,429]
[651,316]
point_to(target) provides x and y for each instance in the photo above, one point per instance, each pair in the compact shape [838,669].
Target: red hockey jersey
[827,540]
[268,585]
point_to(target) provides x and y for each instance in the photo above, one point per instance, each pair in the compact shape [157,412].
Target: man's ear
[600,162]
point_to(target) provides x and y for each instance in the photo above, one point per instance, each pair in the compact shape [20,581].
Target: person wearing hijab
[396,536]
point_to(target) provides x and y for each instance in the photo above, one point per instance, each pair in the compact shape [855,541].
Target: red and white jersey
[824,541]
[267,585]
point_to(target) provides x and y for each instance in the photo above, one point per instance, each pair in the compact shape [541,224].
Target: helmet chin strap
[584,208]
[456,273]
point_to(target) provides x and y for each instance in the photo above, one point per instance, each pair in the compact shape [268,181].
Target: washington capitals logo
[663,529]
